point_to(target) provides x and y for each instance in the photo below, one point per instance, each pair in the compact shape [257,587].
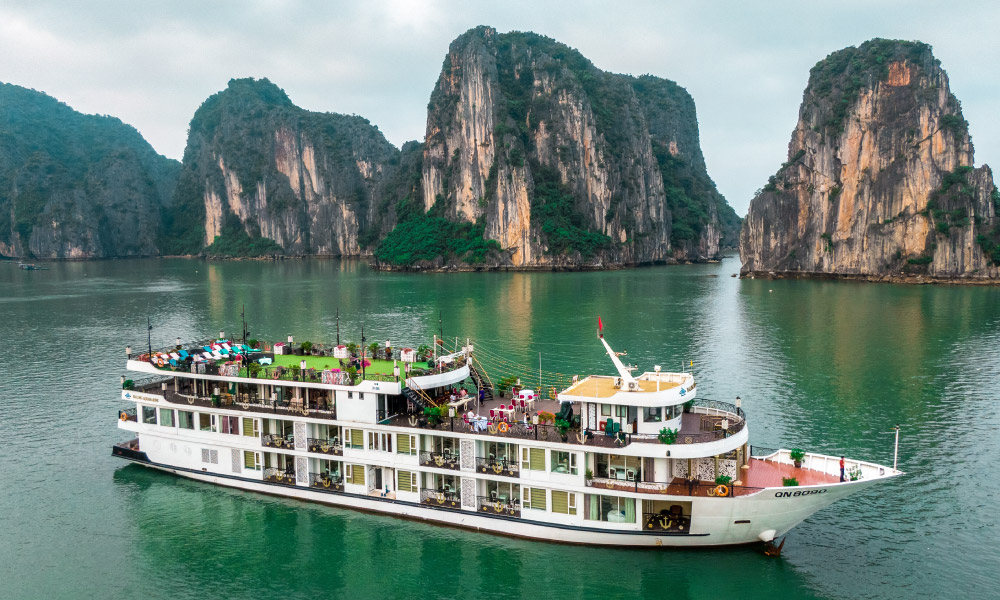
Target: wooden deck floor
[764,473]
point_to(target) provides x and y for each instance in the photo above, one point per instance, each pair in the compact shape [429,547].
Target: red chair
[523,407]
[493,415]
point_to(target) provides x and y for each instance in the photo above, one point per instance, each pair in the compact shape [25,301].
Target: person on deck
[841,469]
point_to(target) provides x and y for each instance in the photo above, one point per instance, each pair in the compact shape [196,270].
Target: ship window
[534,498]
[356,474]
[355,438]
[251,460]
[533,459]
[675,411]
[621,411]
[185,419]
[149,415]
[206,422]
[563,462]
[606,410]
[406,481]
[563,502]
[653,415]
[166,417]
[380,441]
[230,425]
[608,508]
[251,427]
[406,444]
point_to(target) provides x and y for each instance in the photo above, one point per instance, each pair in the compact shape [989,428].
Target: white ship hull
[754,518]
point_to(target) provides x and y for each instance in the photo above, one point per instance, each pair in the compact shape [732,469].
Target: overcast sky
[745,63]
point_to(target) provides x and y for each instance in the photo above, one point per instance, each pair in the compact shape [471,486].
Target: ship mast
[625,372]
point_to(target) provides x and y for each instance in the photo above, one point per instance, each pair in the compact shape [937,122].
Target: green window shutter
[357,438]
[538,498]
[560,502]
[404,481]
[248,429]
[403,445]
[537,459]
[358,474]
[249,459]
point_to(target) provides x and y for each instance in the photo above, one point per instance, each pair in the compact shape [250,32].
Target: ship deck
[604,387]
[766,473]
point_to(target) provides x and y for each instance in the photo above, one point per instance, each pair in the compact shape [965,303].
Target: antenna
[338,325]
[149,337]
[362,351]
[441,326]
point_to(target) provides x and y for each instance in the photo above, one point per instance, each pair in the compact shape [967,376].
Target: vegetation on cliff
[93,176]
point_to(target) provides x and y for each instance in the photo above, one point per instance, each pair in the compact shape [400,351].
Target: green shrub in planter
[789,481]
[667,435]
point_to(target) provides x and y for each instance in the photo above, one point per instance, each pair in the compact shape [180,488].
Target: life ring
[160,362]
[123,416]
[503,427]
[497,507]
[721,490]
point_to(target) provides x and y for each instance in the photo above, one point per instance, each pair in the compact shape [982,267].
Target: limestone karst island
[533,158]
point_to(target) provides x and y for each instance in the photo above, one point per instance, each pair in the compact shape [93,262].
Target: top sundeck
[603,386]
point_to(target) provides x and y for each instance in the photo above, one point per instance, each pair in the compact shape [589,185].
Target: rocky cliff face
[75,185]
[564,164]
[879,181]
[263,176]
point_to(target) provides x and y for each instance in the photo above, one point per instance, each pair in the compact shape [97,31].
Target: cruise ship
[425,433]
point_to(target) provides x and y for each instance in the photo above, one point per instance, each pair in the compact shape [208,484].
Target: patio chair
[609,428]
[493,415]
[226,347]
[173,363]
[524,408]
[183,354]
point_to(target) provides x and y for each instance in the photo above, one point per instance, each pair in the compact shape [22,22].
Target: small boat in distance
[615,460]
[31,267]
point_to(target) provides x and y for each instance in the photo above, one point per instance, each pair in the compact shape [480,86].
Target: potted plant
[723,480]
[254,369]
[372,349]
[789,481]
[128,385]
[797,454]
[506,383]
[667,435]
[351,371]
[352,349]
[588,475]
[688,405]
[253,343]
[563,427]
[307,347]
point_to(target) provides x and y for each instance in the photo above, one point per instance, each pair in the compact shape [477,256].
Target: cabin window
[230,425]
[206,422]
[609,508]
[621,411]
[356,474]
[563,502]
[166,417]
[653,415]
[605,410]
[251,427]
[563,462]
[149,415]
[380,441]
[406,444]
[534,498]
[675,411]
[533,459]
[355,438]
[406,481]
[185,419]
[251,460]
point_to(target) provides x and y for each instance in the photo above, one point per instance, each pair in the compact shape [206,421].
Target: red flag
[600,326]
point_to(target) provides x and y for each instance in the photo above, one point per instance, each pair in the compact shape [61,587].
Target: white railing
[831,465]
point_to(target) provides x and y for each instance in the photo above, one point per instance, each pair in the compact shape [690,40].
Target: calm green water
[822,365]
